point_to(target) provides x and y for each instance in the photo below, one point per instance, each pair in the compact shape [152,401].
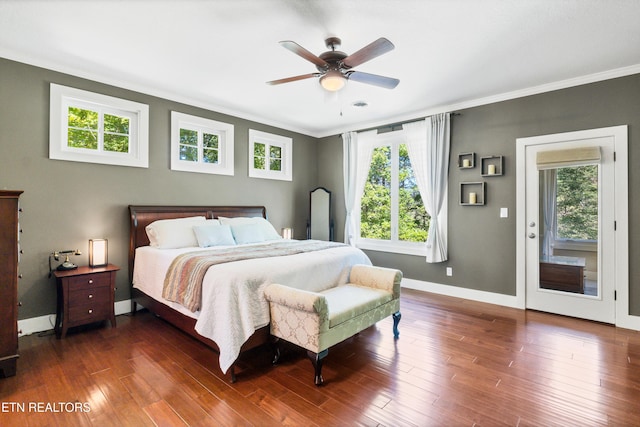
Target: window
[201,145]
[94,128]
[270,156]
[577,204]
[392,214]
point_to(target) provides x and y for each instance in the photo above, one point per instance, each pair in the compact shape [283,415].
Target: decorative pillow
[174,233]
[213,235]
[264,230]
[247,233]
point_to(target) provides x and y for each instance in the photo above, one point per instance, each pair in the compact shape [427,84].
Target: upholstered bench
[319,320]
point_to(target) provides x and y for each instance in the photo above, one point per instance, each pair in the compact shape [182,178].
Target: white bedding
[233,305]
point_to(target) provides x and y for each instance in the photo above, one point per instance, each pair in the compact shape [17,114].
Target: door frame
[621,178]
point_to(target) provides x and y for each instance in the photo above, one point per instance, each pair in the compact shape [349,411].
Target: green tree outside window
[189,145]
[259,151]
[82,128]
[577,203]
[376,209]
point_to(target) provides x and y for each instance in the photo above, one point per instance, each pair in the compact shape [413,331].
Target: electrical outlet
[449,271]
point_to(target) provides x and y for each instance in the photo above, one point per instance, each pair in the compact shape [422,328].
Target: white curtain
[548,210]
[428,144]
[357,149]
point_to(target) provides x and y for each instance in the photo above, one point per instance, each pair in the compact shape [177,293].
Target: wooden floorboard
[456,363]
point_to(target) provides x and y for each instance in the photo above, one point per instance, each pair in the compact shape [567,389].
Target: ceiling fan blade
[373,79]
[368,52]
[294,78]
[300,51]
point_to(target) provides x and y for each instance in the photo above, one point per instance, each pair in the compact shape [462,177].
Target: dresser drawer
[88,313]
[89,295]
[89,281]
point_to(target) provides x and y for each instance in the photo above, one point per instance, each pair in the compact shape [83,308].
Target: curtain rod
[396,126]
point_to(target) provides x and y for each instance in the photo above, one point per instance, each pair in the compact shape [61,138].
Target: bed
[231,318]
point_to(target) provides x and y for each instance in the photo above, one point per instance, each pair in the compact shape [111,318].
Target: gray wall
[67,203]
[482,246]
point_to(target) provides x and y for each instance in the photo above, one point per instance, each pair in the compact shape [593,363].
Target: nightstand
[85,295]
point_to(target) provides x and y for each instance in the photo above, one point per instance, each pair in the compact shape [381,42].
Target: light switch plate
[504,212]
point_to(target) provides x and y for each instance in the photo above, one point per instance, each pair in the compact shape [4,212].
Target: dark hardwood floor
[457,363]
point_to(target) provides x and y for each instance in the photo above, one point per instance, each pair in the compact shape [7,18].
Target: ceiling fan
[335,67]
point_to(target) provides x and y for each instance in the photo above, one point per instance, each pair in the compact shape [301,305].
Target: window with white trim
[270,156]
[201,145]
[94,128]
[392,215]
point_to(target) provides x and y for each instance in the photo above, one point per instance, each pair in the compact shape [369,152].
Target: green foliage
[82,128]
[210,140]
[210,155]
[116,124]
[275,162]
[259,151]
[210,144]
[375,208]
[188,153]
[375,205]
[413,221]
[189,137]
[116,143]
[577,202]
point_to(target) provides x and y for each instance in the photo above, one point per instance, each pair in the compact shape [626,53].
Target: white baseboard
[45,323]
[455,291]
[626,321]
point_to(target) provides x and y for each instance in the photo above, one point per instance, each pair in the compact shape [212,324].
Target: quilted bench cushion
[342,301]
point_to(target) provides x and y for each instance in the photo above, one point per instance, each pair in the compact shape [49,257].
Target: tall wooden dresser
[8,282]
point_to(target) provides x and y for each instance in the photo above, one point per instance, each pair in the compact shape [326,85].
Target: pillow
[247,233]
[174,233]
[213,235]
[263,227]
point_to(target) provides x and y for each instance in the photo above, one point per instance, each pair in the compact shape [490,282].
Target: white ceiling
[449,54]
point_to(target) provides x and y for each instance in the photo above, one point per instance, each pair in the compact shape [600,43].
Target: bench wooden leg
[396,319]
[275,345]
[232,371]
[316,360]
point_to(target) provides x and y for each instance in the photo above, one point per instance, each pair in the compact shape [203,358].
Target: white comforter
[233,305]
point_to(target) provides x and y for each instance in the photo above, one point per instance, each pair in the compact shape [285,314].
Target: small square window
[201,145]
[271,156]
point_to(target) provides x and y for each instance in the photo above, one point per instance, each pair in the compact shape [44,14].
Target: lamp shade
[333,81]
[287,233]
[97,252]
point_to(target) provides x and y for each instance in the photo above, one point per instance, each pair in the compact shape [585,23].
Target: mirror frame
[311,193]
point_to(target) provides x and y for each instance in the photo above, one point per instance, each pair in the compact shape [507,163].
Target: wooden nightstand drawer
[89,313]
[95,295]
[89,281]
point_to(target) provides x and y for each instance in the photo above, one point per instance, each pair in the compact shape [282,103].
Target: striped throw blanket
[183,282]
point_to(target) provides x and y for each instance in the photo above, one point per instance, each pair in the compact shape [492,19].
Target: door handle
[532,235]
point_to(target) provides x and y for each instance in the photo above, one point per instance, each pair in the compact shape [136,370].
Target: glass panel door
[569,230]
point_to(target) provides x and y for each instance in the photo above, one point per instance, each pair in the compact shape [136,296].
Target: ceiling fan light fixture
[333,81]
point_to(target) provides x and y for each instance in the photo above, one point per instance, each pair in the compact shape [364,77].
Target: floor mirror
[320,224]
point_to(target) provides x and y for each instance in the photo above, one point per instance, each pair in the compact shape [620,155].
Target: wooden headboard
[141,216]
